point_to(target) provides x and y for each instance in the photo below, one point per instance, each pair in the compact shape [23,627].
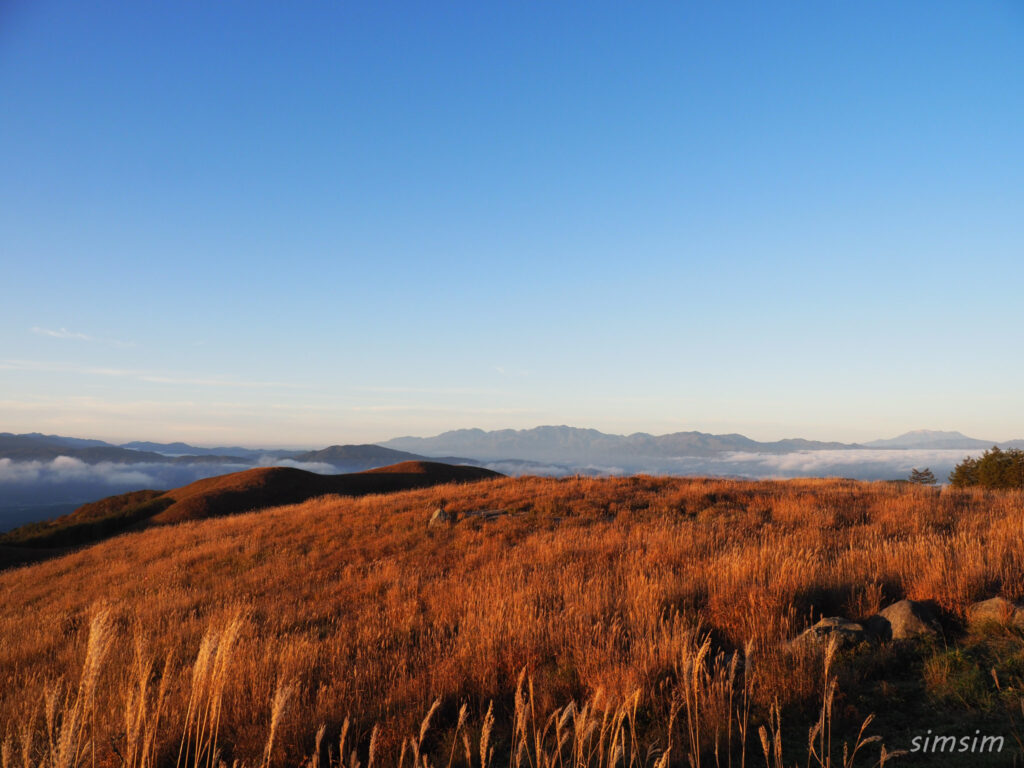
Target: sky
[277,224]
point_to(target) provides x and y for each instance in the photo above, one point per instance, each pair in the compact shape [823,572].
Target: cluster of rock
[900,621]
[905,620]
[442,516]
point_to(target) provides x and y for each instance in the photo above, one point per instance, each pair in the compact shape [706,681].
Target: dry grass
[629,603]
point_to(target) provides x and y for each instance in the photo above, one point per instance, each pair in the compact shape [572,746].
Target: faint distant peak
[930,438]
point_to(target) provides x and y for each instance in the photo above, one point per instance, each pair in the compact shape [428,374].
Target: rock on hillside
[903,620]
[900,621]
[998,610]
[847,633]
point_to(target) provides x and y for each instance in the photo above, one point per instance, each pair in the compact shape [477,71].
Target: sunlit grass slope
[605,588]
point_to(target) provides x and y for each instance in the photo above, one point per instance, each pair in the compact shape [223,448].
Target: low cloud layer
[864,464]
[65,469]
[860,464]
[35,490]
[310,466]
[29,488]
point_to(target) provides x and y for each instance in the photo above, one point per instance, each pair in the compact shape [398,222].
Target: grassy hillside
[90,522]
[271,486]
[666,604]
[221,495]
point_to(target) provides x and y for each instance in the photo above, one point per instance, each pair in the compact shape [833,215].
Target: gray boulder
[998,610]
[442,516]
[902,621]
[847,633]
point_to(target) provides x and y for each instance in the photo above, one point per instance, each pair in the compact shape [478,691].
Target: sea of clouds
[34,490]
[65,469]
[859,464]
[863,464]
[37,490]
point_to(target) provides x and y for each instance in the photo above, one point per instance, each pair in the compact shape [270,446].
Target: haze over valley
[42,476]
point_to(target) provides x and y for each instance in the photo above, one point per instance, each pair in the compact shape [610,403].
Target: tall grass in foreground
[708,721]
[354,608]
[66,733]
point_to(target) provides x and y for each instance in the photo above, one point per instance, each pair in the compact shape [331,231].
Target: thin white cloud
[149,377]
[319,467]
[503,370]
[61,333]
[64,333]
[399,390]
[83,405]
[417,408]
[217,382]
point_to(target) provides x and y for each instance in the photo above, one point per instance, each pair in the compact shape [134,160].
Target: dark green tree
[995,468]
[964,474]
[922,476]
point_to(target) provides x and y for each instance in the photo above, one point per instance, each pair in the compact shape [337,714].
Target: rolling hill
[274,486]
[45,475]
[229,494]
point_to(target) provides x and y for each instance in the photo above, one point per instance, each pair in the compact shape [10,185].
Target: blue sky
[283,224]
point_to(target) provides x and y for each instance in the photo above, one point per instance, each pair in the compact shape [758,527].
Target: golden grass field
[636,621]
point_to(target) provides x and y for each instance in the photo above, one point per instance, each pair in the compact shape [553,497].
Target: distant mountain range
[589,445]
[35,484]
[39,447]
[570,446]
[184,449]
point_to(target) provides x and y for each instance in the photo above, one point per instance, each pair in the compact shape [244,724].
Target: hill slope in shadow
[275,486]
[229,494]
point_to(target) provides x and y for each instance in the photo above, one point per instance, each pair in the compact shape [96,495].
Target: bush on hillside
[922,476]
